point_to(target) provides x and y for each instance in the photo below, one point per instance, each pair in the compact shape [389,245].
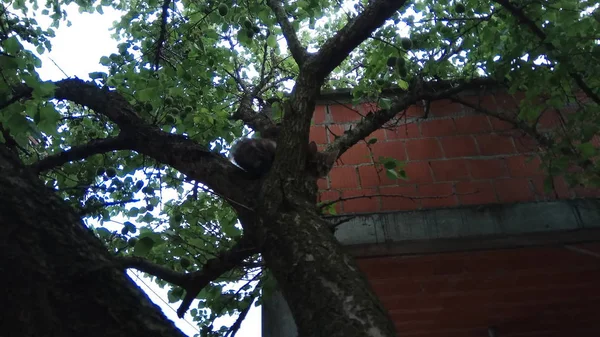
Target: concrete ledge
[478,221]
[415,247]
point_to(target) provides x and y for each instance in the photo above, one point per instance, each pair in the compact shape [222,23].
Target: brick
[403,131]
[525,143]
[394,149]
[371,176]
[475,192]
[343,113]
[438,127]
[450,170]
[357,154]
[365,108]
[472,124]
[379,134]
[505,101]
[335,130]
[343,177]
[399,198]
[319,114]
[549,119]
[318,134]
[560,189]
[490,145]
[322,183]
[425,148]
[442,195]
[412,111]
[524,166]
[459,146]
[360,205]
[444,107]
[486,102]
[418,172]
[331,195]
[487,168]
[513,190]
[500,125]
[586,192]
[328,195]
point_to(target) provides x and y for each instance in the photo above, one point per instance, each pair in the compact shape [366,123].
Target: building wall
[544,291]
[454,157]
[471,241]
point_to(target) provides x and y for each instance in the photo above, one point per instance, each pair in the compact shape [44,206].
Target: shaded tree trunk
[57,278]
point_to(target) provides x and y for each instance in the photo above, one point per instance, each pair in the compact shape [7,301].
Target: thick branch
[339,46]
[256,121]
[178,151]
[298,51]
[80,152]
[214,268]
[143,265]
[163,32]
[194,282]
[520,15]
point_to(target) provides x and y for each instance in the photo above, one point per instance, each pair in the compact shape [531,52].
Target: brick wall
[453,157]
[521,292]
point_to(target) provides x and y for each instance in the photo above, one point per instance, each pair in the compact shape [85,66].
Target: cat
[256,155]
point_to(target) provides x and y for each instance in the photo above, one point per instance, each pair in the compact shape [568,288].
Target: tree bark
[57,277]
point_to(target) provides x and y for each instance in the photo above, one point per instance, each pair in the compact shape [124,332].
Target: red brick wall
[453,157]
[461,158]
[522,292]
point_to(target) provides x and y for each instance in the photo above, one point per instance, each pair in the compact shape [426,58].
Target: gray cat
[256,155]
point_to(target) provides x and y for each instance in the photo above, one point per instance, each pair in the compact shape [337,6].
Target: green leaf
[587,150]
[130,227]
[105,61]
[272,41]
[392,174]
[143,246]
[103,233]
[12,45]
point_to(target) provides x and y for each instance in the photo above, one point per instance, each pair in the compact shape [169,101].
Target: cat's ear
[330,159]
[312,148]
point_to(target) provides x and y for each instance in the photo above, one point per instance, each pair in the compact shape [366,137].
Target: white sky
[76,50]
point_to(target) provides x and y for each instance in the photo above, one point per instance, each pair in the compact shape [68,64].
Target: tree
[190,75]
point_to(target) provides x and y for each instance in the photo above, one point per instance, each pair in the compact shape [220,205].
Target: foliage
[184,66]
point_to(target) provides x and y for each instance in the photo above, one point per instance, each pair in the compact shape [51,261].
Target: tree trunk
[57,279]
[326,292]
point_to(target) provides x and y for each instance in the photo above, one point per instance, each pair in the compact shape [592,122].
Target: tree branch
[163,32]
[178,151]
[212,269]
[193,282]
[143,265]
[80,152]
[298,51]
[520,15]
[419,91]
[339,46]
[256,121]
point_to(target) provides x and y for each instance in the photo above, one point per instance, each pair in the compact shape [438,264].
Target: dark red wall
[523,292]
[455,156]
[461,158]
